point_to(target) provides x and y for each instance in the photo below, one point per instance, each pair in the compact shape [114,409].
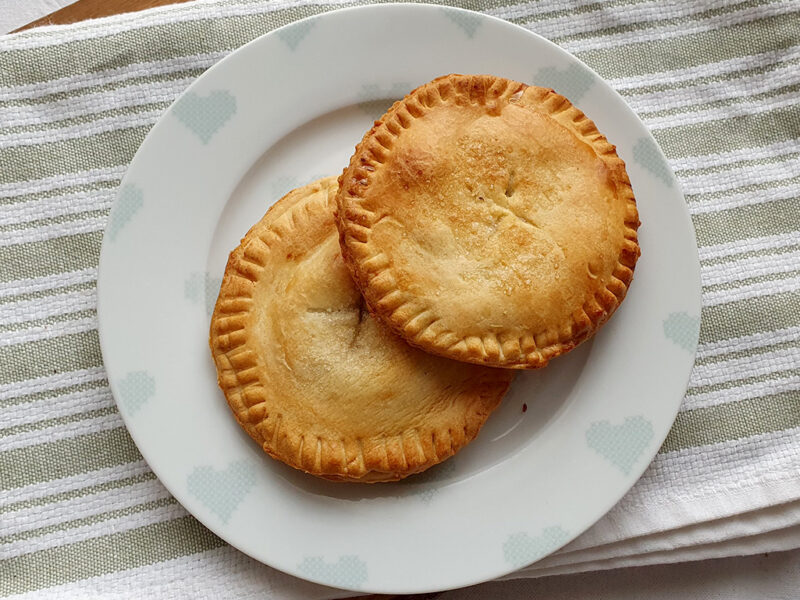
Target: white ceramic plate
[286,109]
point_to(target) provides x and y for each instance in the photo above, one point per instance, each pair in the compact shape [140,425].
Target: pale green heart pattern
[572,82]
[349,572]
[520,549]
[202,287]
[621,445]
[129,200]
[468,22]
[205,115]
[646,153]
[425,486]
[376,99]
[294,34]
[222,491]
[135,390]
[682,329]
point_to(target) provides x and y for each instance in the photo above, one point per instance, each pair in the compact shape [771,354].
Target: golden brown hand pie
[313,378]
[488,221]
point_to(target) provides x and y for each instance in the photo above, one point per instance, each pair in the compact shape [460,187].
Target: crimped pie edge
[412,318]
[240,376]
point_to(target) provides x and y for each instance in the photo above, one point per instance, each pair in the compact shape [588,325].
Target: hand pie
[488,221]
[313,378]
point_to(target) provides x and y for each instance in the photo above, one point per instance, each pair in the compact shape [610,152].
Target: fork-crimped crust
[313,378]
[488,221]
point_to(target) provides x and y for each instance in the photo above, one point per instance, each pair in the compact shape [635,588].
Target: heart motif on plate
[135,390]
[646,153]
[205,115]
[294,34]
[129,200]
[621,445]
[682,329]
[222,491]
[466,20]
[572,82]
[377,99]
[520,549]
[426,485]
[202,287]
[348,572]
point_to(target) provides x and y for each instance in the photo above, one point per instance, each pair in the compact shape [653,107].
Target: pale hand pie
[488,221]
[313,378]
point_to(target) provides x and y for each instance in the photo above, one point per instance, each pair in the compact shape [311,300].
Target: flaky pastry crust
[488,221]
[313,378]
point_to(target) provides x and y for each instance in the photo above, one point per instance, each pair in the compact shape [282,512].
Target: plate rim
[104,336]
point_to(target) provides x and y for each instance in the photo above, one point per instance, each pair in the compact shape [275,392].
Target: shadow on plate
[536,399]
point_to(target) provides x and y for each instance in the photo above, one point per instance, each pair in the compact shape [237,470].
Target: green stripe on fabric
[102,150]
[107,554]
[179,72]
[55,393]
[90,520]
[58,421]
[53,291]
[725,135]
[147,44]
[772,251]
[749,187]
[671,86]
[733,285]
[158,42]
[57,220]
[739,164]
[64,458]
[84,188]
[753,353]
[744,222]
[77,493]
[734,421]
[697,48]
[62,318]
[48,357]
[658,23]
[51,257]
[722,103]
[87,118]
[751,316]
[533,18]
[735,383]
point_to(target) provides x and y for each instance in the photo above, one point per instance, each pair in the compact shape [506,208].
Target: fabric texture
[717,82]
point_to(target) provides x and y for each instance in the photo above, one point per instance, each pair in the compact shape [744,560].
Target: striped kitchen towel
[718,82]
